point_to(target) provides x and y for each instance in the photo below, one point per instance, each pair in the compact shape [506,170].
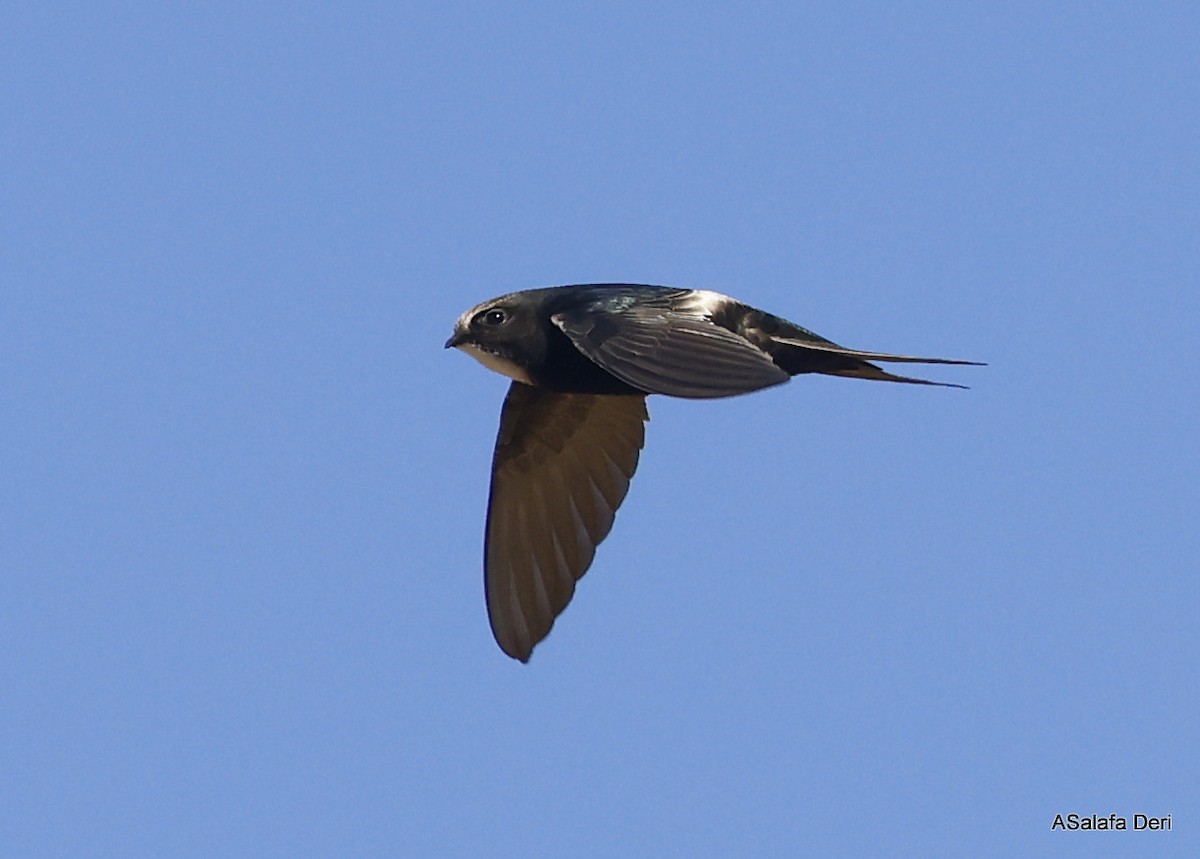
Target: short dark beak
[456,339]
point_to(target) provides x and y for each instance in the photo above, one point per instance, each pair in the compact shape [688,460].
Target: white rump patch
[705,303]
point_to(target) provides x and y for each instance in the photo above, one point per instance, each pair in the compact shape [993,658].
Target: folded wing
[666,350]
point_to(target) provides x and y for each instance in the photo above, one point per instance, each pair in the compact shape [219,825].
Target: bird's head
[502,334]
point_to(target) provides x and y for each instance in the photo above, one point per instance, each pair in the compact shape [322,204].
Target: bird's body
[582,360]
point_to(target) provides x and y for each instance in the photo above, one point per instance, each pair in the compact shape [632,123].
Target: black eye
[493,317]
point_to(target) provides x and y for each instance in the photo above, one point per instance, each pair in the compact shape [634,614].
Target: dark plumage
[583,359]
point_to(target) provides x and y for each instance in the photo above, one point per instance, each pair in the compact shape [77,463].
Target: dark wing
[669,346]
[561,469]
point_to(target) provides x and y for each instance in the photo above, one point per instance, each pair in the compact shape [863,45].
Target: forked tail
[821,356]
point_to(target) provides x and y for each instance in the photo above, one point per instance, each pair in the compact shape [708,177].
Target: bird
[582,359]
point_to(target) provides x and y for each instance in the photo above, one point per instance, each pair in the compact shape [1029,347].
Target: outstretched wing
[561,469]
[667,344]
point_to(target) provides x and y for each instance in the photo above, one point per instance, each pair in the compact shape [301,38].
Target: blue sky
[243,485]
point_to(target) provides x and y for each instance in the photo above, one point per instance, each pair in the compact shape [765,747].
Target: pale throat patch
[495,363]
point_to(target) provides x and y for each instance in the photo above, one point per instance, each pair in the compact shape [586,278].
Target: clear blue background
[243,485]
